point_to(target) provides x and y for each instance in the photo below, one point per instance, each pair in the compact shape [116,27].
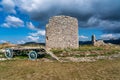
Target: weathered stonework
[62,32]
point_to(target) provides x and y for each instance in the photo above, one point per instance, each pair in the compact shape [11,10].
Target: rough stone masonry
[62,32]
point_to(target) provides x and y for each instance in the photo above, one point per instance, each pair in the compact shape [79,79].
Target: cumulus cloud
[37,36]
[31,26]
[12,21]
[82,9]
[82,37]
[110,36]
[32,38]
[107,36]
[88,12]
[38,33]
[44,9]
[8,6]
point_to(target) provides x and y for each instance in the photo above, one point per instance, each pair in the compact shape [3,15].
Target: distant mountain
[32,43]
[85,42]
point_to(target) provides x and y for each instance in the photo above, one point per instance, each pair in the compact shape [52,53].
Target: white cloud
[21,42]
[83,10]
[47,8]
[78,8]
[38,33]
[44,5]
[108,36]
[37,36]
[93,21]
[89,12]
[83,37]
[8,6]
[32,38]
[31,26]
[12,21]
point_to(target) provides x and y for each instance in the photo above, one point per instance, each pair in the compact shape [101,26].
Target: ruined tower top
[62,32]
[68,19]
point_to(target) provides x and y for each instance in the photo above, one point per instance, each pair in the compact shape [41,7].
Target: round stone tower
[62,32]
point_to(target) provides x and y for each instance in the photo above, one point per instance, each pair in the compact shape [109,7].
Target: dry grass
[7,45]
[36,70]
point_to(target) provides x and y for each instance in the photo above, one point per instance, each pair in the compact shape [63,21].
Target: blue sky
[24,20]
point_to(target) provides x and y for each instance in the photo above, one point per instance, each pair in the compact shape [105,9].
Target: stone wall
[62,32]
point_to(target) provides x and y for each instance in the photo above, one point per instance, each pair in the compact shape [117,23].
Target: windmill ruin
[62,32]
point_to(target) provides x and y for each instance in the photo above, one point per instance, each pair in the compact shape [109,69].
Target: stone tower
[62,32]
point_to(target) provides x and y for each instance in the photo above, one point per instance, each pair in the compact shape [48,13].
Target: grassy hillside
[36,70]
